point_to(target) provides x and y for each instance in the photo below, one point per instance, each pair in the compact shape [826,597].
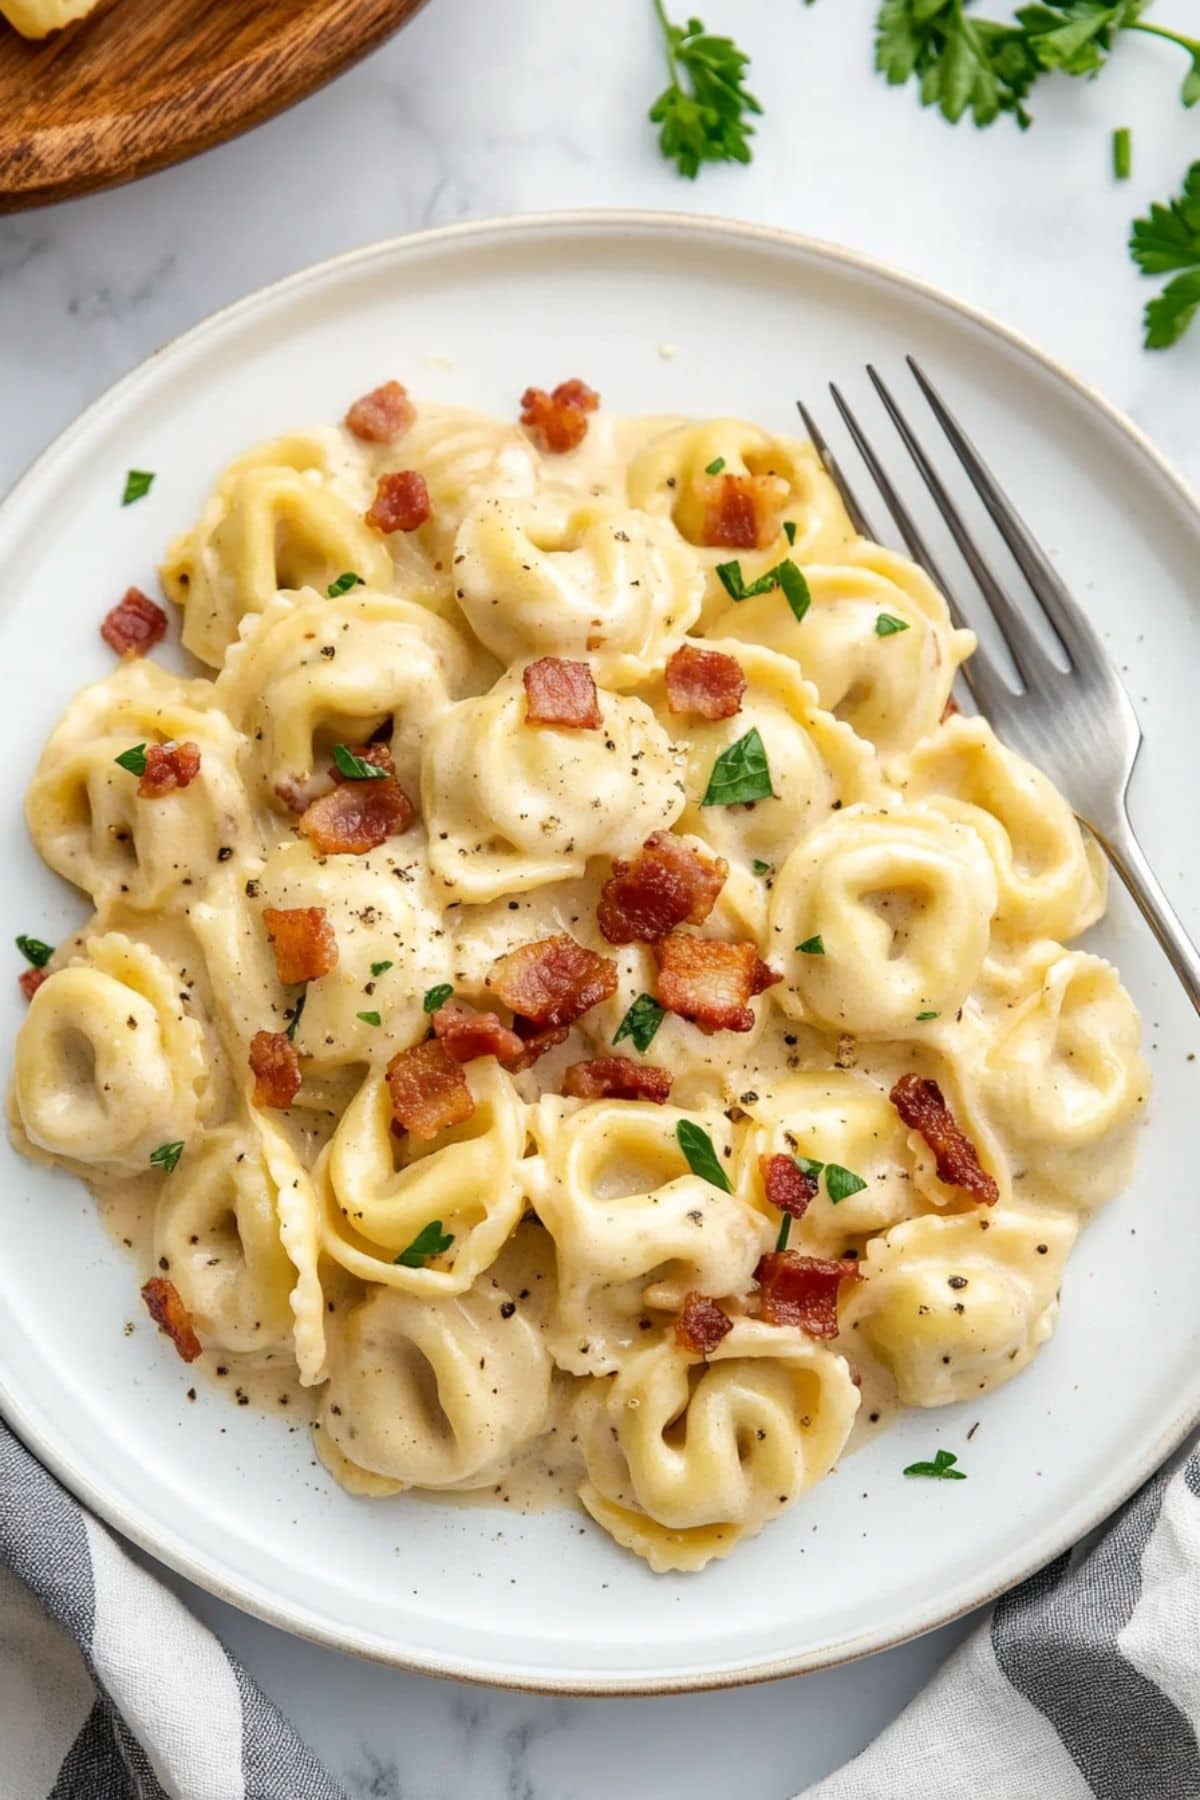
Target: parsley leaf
[715,466]
[789,530]
[34,951]
[702,1159]
[297,1010]
[962,63]
[355,768]
[808,1165]
[740,774]
[380,968]
[1076,36]
[1168,239]
[167,1156]
[887,625]
[641,1022]
[940,1469]
[813,946]
[138,483]
[369,1018]
[134,760]
[437,996]
[431,1240]
[786,575]
[760,867]
[922,1016]
[343,584]
[841,1183]
[706,120]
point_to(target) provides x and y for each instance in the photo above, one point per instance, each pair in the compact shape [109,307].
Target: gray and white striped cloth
[1084,1682]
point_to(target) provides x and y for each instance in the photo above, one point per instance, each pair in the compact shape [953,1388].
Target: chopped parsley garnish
[887,625]
[786,576]
[343,584]
[841,1183]
[134,760]
[437,996]
[706,119]
[808,1165]
[355,768]
[167,1156]
[641,1022]
[922,1016]
[702,1159]
[431,1240]
[716,466]
[760,867]
[789,530]
[740,774]
[369,1018]
[34,951]
[138,483]
[1167,240]
[940,1469]
[1122,153]
[380,968]
[297,1010]
[785,1229]
[813,946]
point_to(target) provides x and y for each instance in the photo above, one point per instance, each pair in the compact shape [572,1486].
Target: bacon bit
[616,1078]
[275,1065]
[166,1308]
[303,941]
[468,1033]
[553,981]
[561,693]
[788,1186]
[356,816]
[378,755]
[429,1090]
[741,512]
[705,682]
[922,1105]
[950,709]
[666,884]
[30,980]
[710,982]
[558,422]
[134,625]
[381,415]
[803,1290]
[536,1039]
[168,766]
[401,502]
[701,1325]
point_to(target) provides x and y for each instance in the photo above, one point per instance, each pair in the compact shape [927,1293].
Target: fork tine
[1034,666]
[833,469]
[1074,629]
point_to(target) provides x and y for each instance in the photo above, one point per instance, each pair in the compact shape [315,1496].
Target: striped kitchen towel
[109,1688]
[1083,1684]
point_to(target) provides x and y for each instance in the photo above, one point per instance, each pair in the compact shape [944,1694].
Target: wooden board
[143,83]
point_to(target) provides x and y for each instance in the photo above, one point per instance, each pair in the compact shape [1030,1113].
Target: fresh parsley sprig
[703,114]
[1167,242]
[431,1240]
[940,1469]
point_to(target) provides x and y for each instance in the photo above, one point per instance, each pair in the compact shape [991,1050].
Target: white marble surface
[483,108]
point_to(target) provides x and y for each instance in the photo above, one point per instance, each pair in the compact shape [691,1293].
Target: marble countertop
[481,109]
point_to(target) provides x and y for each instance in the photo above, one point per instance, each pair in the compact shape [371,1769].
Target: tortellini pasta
[510,1149]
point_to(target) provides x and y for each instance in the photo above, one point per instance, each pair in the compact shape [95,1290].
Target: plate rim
[157,1538]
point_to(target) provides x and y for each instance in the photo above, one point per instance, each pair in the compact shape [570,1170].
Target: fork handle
[1129,860]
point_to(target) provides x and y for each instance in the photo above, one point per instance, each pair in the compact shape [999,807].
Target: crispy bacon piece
[380,416]
[553,981]
[536,1040]
[705,682]
[741,512]
[803,1290]
[558,692]
[134,625]
[166,1308]
[303,941]
[788,1186]
[401,502]
[922,1105]
[558,421]
[710,982]
[378,755]
[275,1065]
[701,1325]
[666,884]
[616,1078]
[168,766]
[356,816]
[468,1033]
[30,980]
[428,1088]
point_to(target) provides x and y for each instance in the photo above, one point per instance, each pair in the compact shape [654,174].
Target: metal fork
[1073,719]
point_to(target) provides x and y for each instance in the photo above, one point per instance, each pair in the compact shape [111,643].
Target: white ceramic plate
[232,1499]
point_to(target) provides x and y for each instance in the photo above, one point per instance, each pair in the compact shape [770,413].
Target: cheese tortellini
[556,1026]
